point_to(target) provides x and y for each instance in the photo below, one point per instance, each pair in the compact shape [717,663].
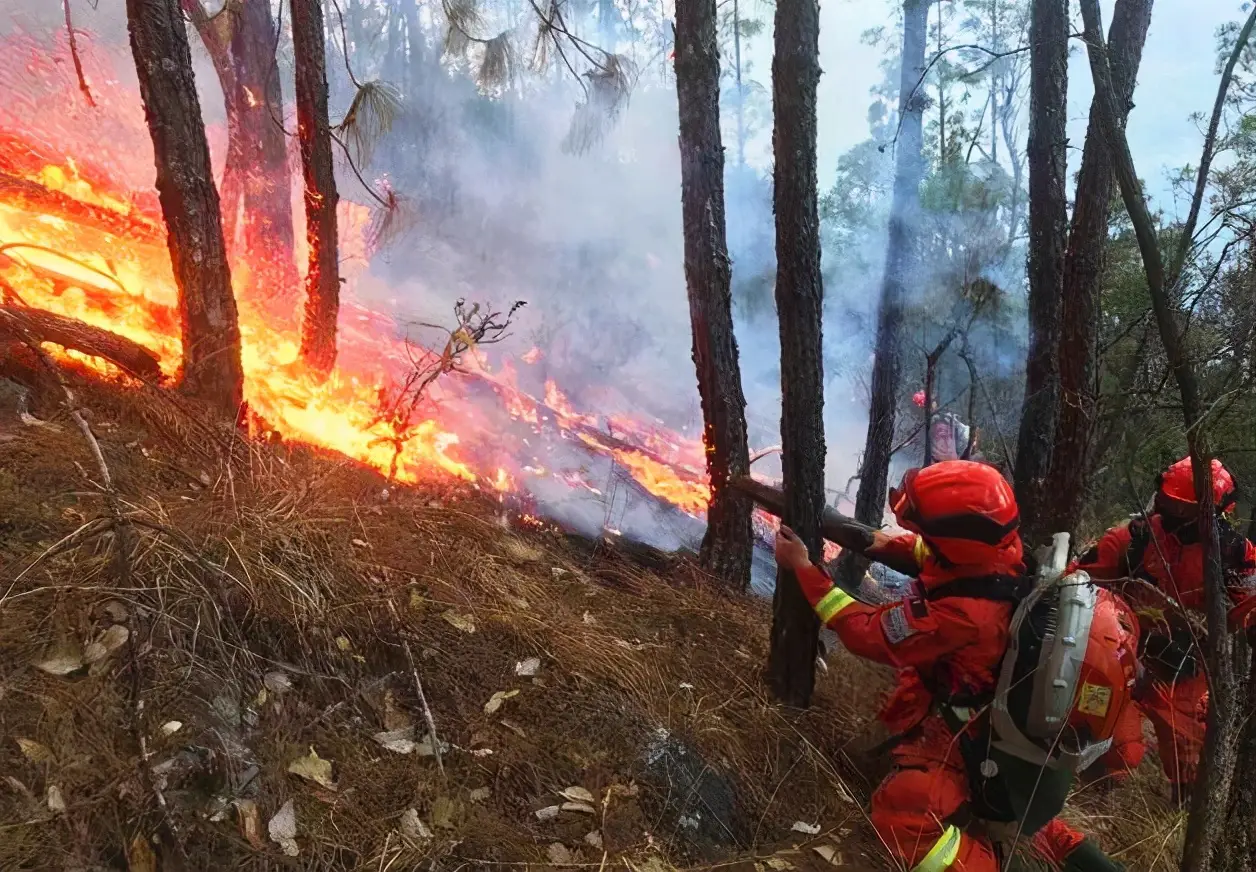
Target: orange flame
[85,239]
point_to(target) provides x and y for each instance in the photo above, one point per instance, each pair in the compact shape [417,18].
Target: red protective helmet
[965,512]
[1175,488]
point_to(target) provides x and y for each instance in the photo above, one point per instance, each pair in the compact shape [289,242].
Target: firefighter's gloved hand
[791,553]
[1089,857]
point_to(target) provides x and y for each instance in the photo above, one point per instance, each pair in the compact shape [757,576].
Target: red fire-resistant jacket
[1175,568]
[955,644]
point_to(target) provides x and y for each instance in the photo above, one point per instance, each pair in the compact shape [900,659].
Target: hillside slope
[276,610]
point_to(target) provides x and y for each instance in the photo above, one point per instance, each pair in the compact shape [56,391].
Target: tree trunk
[799,298]
[268,230]
[607,18]
[741,93]
[211,368]
[931,374]
[322,277]
[900,263]
[1083,268]
[726,547]
[417,44]
[1205,828]
[241,44]
[1241,845]
[1048,229]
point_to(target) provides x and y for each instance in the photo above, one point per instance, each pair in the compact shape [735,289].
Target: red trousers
[929,786]
[1178,712]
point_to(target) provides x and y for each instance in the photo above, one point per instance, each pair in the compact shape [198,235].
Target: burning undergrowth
[81,237]
[285,627]
[77,248]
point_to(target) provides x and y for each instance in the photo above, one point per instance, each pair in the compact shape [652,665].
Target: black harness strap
[996,588]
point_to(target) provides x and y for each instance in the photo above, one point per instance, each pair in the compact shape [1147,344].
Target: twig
[337,706]
[344,41]
[78,64]
[994,56]
[1205,159]
[418,686]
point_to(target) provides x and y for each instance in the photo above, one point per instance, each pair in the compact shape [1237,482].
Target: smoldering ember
[700,435]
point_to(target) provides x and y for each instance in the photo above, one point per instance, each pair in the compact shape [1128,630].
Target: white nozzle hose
[1059,552]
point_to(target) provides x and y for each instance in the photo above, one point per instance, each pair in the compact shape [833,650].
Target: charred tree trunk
[726,548]
[269,239]
[322,277]
[241,43]
[211,368]
[900,260]
[1048,229]
[799,296]
[40,326]
[1083,268]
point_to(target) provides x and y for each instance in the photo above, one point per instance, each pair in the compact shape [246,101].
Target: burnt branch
[397,406]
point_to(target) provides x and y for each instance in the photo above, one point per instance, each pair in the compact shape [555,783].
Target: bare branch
[397,406]
[1210,144]
[74,54]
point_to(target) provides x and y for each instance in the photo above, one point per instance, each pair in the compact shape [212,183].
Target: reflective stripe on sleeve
[920,551]
[832,603]
[943,852]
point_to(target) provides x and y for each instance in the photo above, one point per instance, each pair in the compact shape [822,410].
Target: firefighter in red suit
[963,520]
[1163,548]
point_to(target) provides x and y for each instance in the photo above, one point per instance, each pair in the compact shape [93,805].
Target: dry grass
[282,561]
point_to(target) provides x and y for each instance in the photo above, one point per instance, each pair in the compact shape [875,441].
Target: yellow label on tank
[1094,700]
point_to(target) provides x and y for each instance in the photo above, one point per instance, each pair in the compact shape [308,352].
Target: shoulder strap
[997,588]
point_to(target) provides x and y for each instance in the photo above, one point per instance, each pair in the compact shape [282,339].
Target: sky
[1177,78]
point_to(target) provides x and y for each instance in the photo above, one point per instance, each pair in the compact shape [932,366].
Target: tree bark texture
[322,277]
[900,262]
[1205,829]
[727,545]
[1083,269]
[211,368]
[799,297]
[1048,230]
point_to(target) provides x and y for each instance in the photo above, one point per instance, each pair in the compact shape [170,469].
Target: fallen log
[34,197]
[131,357]
[834,526]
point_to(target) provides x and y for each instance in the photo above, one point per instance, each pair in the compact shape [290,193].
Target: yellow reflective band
[834,601]
[920,551]
[943,853]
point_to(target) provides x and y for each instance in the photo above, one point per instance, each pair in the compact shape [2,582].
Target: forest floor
[241,691]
